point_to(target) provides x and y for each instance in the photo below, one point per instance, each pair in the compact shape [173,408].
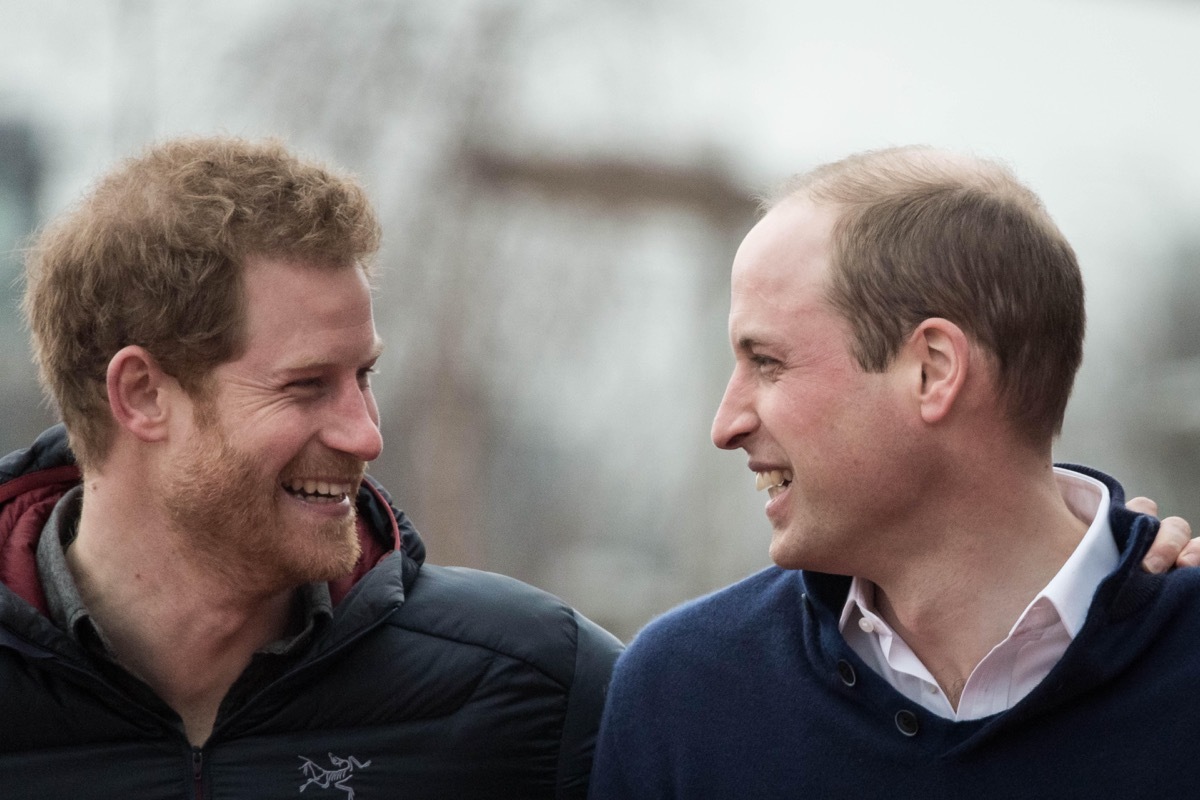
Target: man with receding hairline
[950,614]
[202,594]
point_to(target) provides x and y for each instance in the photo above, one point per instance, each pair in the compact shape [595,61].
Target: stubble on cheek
[233,521]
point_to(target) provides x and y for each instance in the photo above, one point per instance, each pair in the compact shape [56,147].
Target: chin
[334,559]
[785,556]
[794,548]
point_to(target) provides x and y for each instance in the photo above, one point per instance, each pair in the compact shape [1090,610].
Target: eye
[305,384]
[763,362]
[364,377]
[765,367]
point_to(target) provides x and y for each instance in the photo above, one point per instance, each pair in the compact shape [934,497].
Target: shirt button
[906,722]
[846,673]
[866,625]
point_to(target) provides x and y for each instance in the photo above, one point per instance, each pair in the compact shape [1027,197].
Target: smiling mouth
[773,480]
[314,491]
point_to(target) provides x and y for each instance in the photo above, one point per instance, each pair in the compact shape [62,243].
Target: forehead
[782,264]
[296,308]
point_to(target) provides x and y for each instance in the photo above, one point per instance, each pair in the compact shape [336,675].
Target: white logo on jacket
[338,777]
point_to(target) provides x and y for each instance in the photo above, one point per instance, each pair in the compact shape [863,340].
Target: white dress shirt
[1034,645]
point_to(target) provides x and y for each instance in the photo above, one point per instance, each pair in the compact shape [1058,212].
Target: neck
[184,630]
[974,568]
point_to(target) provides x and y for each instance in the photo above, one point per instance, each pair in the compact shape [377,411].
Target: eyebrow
[373,355]
[748,343]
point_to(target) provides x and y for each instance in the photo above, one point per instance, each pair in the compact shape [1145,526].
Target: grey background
[563,185]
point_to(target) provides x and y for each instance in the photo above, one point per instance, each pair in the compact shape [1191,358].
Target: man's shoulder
[724,645]
[730,604]
[50,450]
[45,467]
[473,608]
[729,616]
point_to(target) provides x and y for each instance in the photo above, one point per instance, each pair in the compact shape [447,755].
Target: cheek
[278,445]
[806,413]
[886,440]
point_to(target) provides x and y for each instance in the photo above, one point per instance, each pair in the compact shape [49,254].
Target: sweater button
[846,673]
[906,722]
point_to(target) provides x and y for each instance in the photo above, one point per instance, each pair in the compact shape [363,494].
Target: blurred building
[563,185]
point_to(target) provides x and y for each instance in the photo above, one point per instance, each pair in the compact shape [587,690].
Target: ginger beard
[233,516]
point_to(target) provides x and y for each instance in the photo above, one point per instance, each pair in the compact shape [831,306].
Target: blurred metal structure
[563,185]
[21,176]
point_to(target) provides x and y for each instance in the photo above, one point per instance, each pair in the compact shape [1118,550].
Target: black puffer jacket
[430,682]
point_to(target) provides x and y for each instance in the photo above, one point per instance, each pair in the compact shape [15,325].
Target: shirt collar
[66,607]
[1070,590]
[312,610]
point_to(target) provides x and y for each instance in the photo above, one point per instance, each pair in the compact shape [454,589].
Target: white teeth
[318,488]
[772,478]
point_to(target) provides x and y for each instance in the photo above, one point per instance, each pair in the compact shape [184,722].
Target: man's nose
[735,418]
[354,425]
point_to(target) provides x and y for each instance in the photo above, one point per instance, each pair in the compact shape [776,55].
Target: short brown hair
[154,254]
[921,234]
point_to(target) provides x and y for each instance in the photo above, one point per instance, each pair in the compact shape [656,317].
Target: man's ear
[943,352]
[139,393]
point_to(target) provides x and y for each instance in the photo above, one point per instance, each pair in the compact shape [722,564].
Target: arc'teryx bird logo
[338,777]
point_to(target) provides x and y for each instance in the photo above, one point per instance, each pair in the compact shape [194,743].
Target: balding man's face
[817,429]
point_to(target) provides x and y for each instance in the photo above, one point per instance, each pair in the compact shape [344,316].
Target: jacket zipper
[198,772]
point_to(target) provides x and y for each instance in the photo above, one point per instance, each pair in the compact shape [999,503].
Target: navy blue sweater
[752,693]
